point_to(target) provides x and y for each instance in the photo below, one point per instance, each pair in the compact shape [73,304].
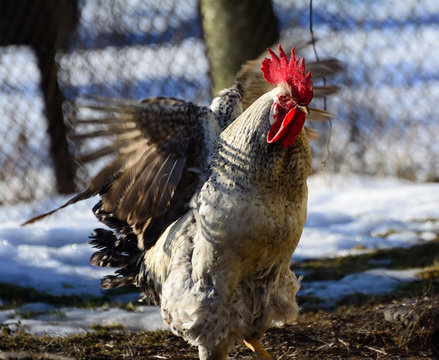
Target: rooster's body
[229,278]
[207,205]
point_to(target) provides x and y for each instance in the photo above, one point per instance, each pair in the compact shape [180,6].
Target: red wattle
[287,128]
[280,127]
[295,128]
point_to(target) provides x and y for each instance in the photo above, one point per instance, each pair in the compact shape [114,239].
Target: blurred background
[385,123]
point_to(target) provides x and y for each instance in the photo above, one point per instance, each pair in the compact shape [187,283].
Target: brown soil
[400,330]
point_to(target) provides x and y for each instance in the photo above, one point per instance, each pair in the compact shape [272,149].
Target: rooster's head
[289,109]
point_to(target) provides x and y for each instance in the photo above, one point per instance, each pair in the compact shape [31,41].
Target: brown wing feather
[154,203]
[150,140]
[173,170]
[146,134]
[79,197]
[318,114]
[126,191]
[133,167]
[311,134]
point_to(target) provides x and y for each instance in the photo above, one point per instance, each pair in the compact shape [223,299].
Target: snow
[346,214]
[375,281]
[42,319]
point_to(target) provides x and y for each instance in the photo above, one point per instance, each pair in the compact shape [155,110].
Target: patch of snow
[350,213]
[41,319]
[375,281]
[6,315]
[428,235]
[53,254]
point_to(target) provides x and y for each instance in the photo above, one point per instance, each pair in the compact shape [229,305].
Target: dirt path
[400,330]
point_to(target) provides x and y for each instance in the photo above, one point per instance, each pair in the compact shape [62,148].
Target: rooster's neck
[245,159]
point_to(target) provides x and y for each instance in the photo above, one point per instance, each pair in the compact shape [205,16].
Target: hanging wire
[313,42]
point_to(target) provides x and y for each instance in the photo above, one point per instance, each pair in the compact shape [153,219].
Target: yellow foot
[255,346]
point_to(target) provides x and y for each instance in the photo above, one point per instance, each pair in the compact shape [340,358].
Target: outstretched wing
[161,147]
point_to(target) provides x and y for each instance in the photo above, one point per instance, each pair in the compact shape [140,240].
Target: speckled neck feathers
[244,155]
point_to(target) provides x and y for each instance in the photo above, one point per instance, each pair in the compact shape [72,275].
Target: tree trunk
[60,19]
[234,32]
[45,25]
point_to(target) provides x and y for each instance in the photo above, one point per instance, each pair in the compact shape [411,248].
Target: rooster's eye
[283,98]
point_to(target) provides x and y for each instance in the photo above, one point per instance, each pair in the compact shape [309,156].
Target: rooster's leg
[218,352]
[255,346]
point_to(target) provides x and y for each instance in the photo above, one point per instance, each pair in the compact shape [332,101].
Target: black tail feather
[116,248]
[113,281]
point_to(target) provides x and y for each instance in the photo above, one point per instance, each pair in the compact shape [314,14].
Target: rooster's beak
[304,109]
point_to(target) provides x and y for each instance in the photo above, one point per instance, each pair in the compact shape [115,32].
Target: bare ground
[404,329]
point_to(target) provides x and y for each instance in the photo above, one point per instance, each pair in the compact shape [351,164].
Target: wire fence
[385,121]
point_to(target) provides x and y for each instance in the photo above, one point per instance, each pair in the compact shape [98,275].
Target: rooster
[206,205]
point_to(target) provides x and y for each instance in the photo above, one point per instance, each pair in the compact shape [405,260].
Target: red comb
[278,71]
